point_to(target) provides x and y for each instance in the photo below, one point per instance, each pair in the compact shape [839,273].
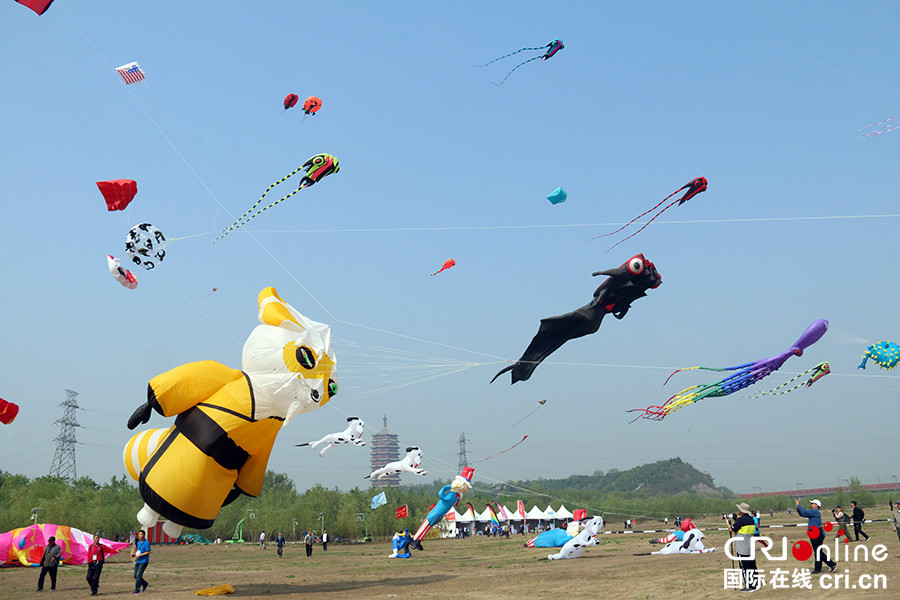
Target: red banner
[402,511]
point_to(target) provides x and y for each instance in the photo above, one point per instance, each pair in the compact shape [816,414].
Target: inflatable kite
[575,546]
[353,434]
[552,538]
[38,6]
[123,276]
[219,590]
[118,193]
[8,411]
[145,245]
[677,535]
[130,73]
[316,168]
[447,264]
[884,354]
[557,196]
[447,497]
[312,105]
[400,544]
[747,374]
[811,375]
[615,295]
[692,543]
[693,187]
[551,49]
[24,547]
[409,464]
[290,101]
[227,419]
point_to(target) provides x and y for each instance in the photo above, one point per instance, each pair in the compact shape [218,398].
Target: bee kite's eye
[332,388]
[306,357]
[635,265]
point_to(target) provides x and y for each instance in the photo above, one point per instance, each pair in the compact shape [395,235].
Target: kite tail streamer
[507,55]
[240,221]
[744,366]
[507,450]
[637,217]
[815,373]
[644,226]
[516,67]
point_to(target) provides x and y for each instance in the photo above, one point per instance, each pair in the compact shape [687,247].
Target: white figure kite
[691,544]
[574,547]
[409,464]
[353,434]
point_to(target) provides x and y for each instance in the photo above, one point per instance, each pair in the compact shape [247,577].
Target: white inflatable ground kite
[691,544]
[574,547]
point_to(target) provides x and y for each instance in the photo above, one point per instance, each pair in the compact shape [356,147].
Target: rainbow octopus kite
[747,374]
[552,48]
[25,547]
[317,168]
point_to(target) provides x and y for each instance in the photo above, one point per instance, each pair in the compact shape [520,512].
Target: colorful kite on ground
[145,245]
[24,547]
[123,276]
[747,374]
[131,73]
[290,101]
[38,6]
[557,196]
[312,105]
[551,49]
[227,419]
[447,264]
[447,497]
[811,375]
[691,543]
[316,168]
[118,193]
[8,411]
[351,435]
[614,296]
[693,187]
[885,354]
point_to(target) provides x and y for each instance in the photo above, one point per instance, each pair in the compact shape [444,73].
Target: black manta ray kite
[615,295]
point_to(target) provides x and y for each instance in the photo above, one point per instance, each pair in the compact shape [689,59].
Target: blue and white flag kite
[379,500]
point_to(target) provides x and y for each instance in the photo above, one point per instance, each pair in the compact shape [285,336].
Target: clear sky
[764,99]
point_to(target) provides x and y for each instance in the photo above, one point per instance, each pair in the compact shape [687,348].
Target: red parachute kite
[38,6]
[311,105]
[290,101]
[447,264]
[118,193]
[8,411]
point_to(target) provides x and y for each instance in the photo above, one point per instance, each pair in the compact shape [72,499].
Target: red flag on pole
[402,511]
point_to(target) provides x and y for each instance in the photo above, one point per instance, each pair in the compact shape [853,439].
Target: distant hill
[672,476]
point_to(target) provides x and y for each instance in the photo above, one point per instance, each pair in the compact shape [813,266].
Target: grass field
[473,568]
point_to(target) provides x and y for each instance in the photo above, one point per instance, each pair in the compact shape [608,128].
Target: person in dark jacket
[49,562]
[816,534]
[744,528]
[859,518]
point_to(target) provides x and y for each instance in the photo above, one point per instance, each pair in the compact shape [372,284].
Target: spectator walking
[744,528]
[96,558]
[279,542]
[308,541]
[49,562]
[324,540]
[141,561]
[262,540]
[859,518]
[814,528]
[843,521]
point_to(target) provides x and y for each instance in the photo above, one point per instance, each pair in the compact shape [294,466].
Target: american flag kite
[131,73]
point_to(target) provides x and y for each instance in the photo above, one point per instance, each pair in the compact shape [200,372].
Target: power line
[463,454]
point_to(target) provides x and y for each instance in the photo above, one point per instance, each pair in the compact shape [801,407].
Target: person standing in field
[279,542]
[324,540]
[859,518]
[744,528]
[262,539]
[49,563]
[96,559]
[141,561]
[308,540]
[816,534]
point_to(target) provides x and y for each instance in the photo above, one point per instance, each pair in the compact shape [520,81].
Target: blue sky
[764,99]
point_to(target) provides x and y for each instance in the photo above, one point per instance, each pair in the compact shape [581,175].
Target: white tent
[512,515]
[564,513]
[535,514]
[466,517]
[549,513]
[485,515]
